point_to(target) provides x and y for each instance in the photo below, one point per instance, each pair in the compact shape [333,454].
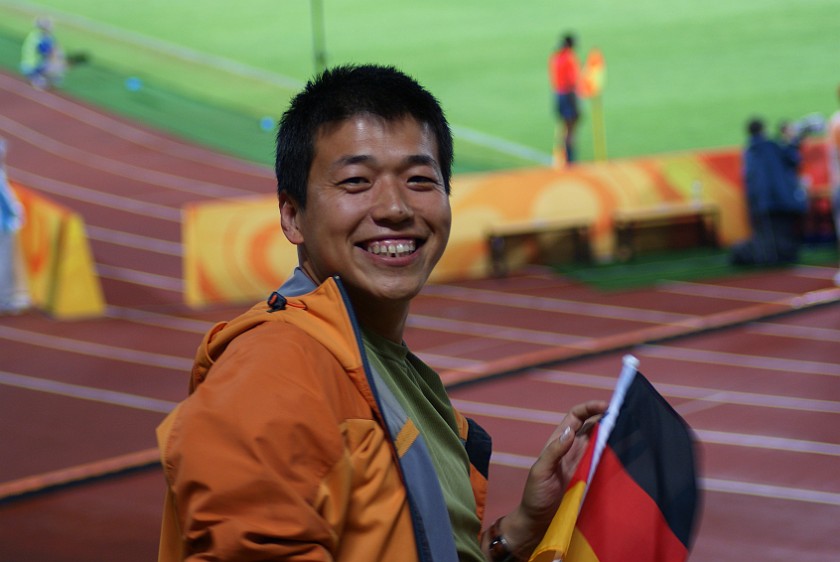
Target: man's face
[377,213]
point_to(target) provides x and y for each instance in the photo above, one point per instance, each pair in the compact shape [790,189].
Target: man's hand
[525,526]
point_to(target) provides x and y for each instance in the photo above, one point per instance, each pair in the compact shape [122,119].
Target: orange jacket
[282,450]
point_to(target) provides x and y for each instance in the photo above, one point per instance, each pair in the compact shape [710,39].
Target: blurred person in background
[14,295]
[42,59]
[564,72]
[833,149]
[776,202]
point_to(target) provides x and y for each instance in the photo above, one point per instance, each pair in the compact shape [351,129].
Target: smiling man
[376,212]
[311,431]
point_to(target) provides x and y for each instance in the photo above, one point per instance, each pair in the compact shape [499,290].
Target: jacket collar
[298,284]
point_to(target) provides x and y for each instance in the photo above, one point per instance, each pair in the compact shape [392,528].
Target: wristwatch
[499,547]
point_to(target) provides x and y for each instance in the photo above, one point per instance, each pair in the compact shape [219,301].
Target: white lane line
[815,271]
[87,195]
[768,442]
[502,146]
[98,350]
[500,458]
[117,167]
[143,278]
[447,362]
[792,331]
[553,305]
[134,134]
[735,487]
[799,366]
[770,491]
[696,393]
[420,321]
[167,321]
[706,436]
[86,393]
[512,460]
[137,241]
[502,411]
[723,292]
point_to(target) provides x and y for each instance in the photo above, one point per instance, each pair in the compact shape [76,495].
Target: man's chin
[386,291]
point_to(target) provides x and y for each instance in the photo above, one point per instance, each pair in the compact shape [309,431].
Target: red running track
[751,362]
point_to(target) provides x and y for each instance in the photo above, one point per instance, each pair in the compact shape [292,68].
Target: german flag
[634,495]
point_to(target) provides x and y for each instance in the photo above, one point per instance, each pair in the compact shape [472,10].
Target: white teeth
[394,250]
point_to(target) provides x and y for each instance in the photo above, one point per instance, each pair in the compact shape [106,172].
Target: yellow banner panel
[57,257]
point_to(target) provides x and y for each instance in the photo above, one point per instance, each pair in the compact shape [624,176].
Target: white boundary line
[86,393]
[768,491]
[713,395]
[138,277]
[501,145]
[134,241]
[549,304]
[500,458]
[236,68]
[116,167]
[132,133]
[722,292]
[707,436]
[109,352]
[165,48]
[798,366]
[159,320]
[87,195]
[809,333]
[507,333]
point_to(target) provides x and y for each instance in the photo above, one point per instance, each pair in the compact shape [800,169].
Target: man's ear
[290,219]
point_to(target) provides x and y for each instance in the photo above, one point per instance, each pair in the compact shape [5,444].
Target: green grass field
[681,75]
[693,264]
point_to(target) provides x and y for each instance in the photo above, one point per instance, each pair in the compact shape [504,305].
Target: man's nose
[392,201]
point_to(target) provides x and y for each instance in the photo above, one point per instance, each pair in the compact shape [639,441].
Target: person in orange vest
[564,72]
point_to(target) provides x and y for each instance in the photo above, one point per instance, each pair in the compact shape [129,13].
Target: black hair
[340,93]
[755,126]
[568,40]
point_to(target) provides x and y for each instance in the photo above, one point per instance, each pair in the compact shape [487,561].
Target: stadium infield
[679,77]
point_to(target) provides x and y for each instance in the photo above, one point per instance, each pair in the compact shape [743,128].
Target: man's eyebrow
[414,159]
[353,159]
[422,159]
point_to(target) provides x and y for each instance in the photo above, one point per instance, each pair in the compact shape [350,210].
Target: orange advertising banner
[235,250]
[59,265]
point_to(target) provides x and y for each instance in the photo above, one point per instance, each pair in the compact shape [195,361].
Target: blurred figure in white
[42,59]
[14,295]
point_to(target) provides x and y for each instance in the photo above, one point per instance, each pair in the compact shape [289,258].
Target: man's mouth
[392,248]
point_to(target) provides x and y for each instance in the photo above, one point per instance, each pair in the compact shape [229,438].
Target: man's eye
[423,182]
[354,183]
[422,179]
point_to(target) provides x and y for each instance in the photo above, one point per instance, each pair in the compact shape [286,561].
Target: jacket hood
[318,310]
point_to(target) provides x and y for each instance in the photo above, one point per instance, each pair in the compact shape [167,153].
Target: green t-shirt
[420,392]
